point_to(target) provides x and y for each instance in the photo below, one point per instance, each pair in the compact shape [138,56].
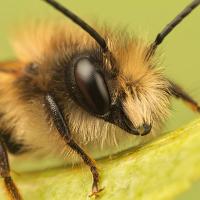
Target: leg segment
[178,92]
[64,131]
[5,174]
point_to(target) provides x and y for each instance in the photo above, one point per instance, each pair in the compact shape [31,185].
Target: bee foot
[95,192]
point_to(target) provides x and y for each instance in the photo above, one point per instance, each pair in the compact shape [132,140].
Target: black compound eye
[92,86]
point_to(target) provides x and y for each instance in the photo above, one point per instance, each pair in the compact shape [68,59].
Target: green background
[181,48]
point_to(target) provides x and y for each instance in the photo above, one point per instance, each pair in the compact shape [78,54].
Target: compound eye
[92,86]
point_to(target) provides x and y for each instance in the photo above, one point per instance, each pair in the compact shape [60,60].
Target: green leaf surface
[161,169]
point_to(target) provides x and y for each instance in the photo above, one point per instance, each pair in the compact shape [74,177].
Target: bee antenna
[99,39]
[169,27]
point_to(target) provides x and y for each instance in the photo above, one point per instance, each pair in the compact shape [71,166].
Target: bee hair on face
[75,86]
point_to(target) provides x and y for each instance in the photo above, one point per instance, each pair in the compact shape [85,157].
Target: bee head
[118,87]
[122,87]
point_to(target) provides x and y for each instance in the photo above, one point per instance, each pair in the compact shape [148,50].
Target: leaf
[162,169]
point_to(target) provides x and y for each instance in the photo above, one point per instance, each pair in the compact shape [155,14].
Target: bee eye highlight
[92,86]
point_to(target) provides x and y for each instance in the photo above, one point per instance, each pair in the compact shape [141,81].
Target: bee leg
[179,93]
[91,163]
[64,131]
[5,174]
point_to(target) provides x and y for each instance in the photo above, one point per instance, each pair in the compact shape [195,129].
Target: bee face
[119,88]
[127,90]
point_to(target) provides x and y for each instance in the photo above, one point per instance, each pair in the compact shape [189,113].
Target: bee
[76,86]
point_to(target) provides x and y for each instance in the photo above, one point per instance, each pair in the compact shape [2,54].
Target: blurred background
[181,48]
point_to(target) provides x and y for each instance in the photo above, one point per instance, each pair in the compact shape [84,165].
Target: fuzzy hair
[145,87]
